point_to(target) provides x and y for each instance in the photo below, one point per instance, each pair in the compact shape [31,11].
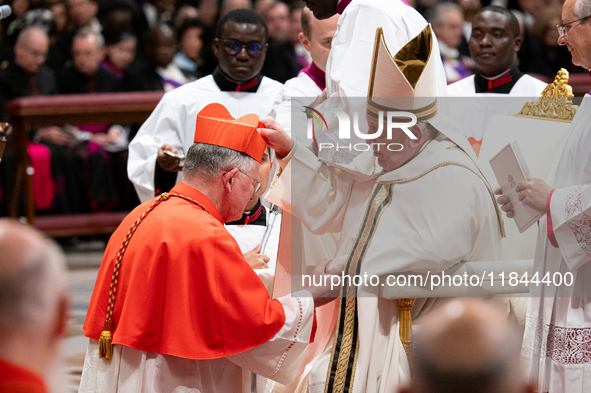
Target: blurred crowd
[52,47]
[149,45]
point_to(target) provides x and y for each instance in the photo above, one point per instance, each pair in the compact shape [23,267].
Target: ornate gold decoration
[555,102]
[343,359]
[5,130]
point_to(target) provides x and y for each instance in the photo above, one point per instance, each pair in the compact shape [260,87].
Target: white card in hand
[510,169]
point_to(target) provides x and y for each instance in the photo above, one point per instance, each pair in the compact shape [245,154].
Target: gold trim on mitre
[405,81]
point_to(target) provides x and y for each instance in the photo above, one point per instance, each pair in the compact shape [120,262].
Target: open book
[510,169]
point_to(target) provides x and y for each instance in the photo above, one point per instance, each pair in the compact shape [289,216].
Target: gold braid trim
[106,338]
[346,341]
[405,326]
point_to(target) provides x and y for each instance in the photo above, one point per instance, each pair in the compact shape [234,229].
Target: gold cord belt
[106,338]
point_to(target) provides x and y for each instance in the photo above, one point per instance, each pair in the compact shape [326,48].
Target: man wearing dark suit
[85,74]
[102,147]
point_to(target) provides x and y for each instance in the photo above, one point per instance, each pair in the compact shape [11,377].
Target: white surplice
[473,110]
[173,123]
[526,86]
[134,371]
[557,341]
[438,213]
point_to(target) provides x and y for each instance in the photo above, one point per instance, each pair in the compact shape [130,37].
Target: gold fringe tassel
[106,345]
[405,325]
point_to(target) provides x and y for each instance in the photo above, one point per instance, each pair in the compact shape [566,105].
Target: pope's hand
[255,259]
[336,266]
[534,193]
[167,162]
[276,137]
[328,288]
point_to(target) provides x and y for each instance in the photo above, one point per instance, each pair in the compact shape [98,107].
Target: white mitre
[406,82]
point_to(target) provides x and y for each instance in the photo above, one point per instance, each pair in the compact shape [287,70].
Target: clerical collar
[500,84]
[226,85]
[257,216]
[316,74]
[342,5]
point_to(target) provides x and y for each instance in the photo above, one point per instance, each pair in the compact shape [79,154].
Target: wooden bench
[103,223]
[112,108]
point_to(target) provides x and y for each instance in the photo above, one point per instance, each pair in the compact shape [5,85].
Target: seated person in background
[85,74]
[295,28]
[188,58]
[82,14]
[237,83]
[26,75]
[447,20]
[121,49]
[33,310]
[159,72]
[467,346]
[96,144]
[281,63]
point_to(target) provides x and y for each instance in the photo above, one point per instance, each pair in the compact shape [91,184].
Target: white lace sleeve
[570,208]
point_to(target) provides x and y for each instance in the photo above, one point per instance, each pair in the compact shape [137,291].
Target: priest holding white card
[557,342]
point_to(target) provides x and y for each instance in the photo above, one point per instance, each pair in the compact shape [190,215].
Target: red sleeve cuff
[314,327]
[551,236]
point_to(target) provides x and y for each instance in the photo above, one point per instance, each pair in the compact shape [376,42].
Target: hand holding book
[533,193]
[522,197]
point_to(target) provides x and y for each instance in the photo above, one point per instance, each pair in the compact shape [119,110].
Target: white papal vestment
[428,215]
[557,342]
[173,123]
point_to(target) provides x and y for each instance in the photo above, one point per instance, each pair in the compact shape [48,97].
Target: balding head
[467,346]
[33,296]
[30,49]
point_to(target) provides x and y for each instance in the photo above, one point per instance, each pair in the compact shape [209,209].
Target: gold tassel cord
[106,338]
[405,326]
[106,345]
